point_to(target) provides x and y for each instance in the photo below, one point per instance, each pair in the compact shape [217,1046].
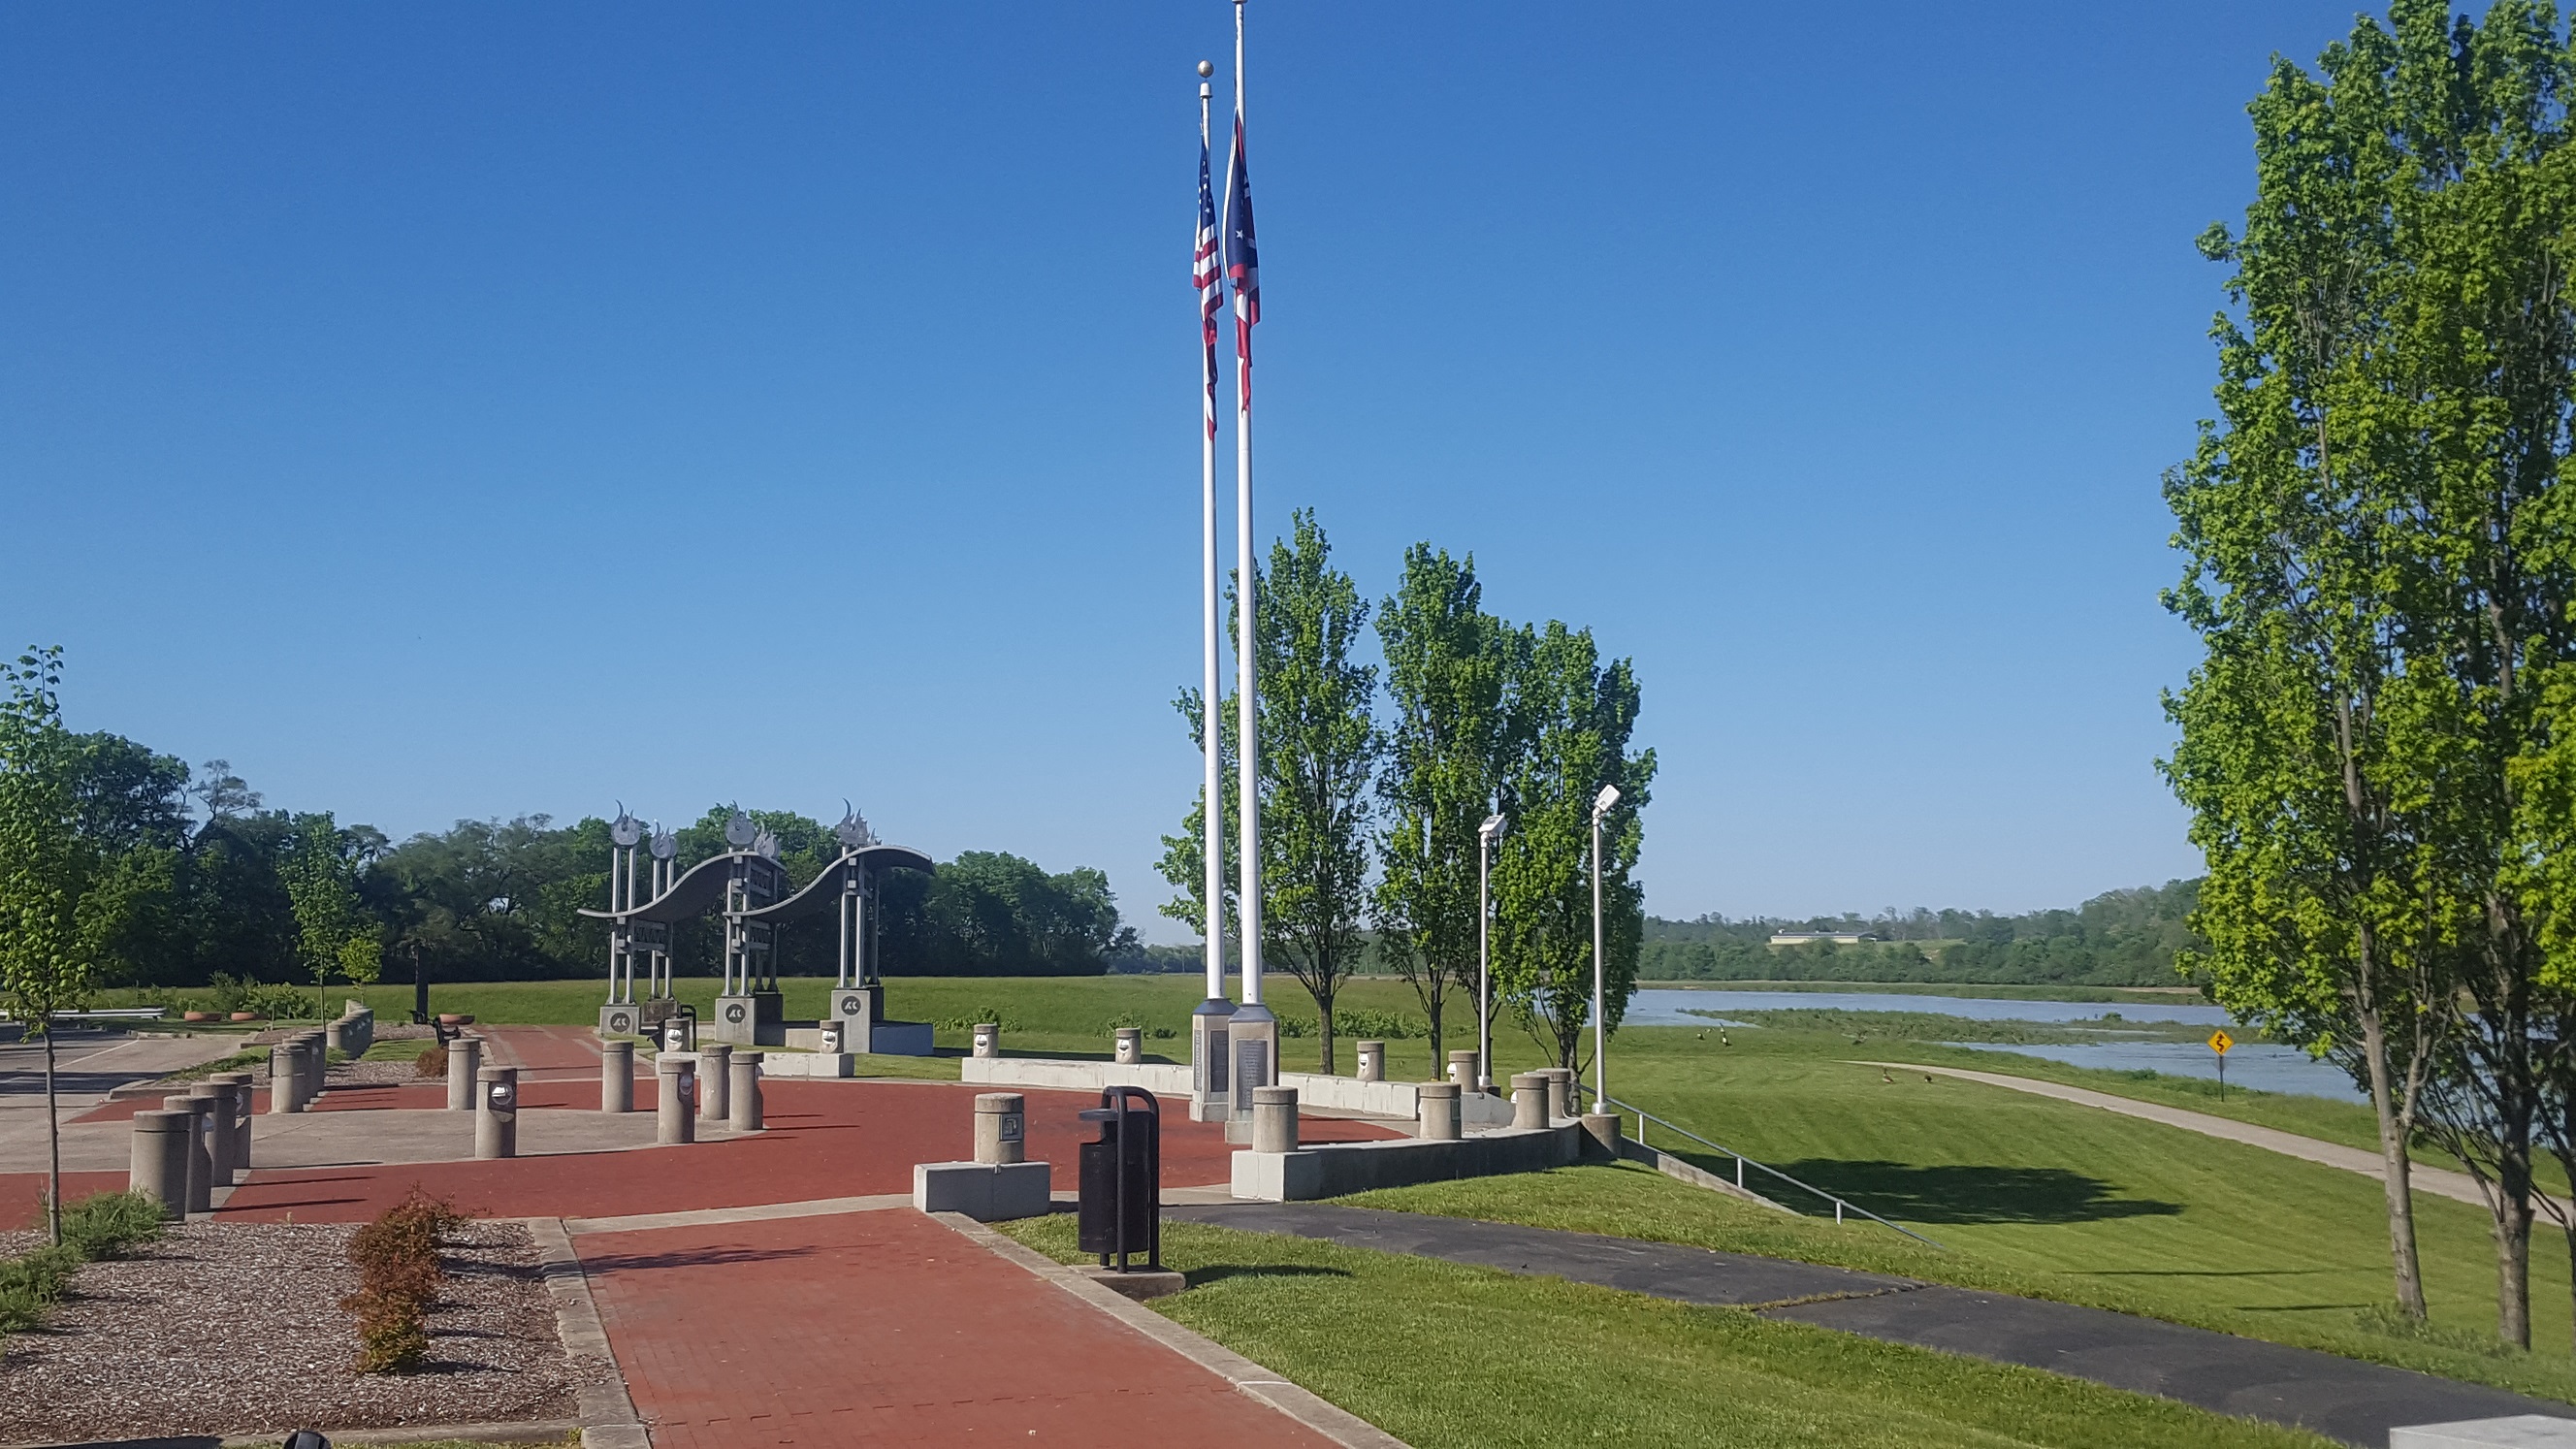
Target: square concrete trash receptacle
[988,1192]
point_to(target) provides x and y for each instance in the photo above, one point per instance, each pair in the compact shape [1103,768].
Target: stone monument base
[636,1018]
[741,1019]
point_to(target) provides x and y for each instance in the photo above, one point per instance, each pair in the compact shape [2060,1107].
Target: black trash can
[1121,1196]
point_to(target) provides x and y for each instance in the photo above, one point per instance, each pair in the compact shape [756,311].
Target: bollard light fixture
[1601,806]
[1486,835]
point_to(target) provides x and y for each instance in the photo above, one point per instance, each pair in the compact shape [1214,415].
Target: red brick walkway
[885,1328]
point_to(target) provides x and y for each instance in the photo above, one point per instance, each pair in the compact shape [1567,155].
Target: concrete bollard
[715,1082]
[464,1059]
[199,1184]
[159,1167]
[218,1133]
[1601,1135]
[1274,1119]
[1462,1069]
[240,1082]
[1001,1127]
[617,1076]
[282,1076]
[1529,1099]
[1372,1061]
[316,1062]
[675,1115]
[336,1036]
[496,1112]
[1560,1093]
[988,1042]
[744,1111]
[1439,1107]
[1131,1045]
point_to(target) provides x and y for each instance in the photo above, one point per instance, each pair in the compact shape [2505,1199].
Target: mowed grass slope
[1451,1357]
[2031,1195]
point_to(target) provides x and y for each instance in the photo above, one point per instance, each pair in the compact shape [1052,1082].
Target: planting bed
[236,1327]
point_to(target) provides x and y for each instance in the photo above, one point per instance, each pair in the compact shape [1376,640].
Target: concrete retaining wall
[1332,1169]
[1339,1094]
[1163,1079]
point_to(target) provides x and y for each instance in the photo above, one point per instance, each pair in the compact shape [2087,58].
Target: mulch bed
[225,1327]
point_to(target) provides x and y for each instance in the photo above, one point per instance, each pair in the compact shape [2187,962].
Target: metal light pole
[1486,835]
[1601,804]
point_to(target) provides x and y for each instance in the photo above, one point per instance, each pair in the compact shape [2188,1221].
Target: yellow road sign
[2220,1041]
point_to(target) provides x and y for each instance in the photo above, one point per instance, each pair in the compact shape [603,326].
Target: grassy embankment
[2040,1196]
[1558,1363]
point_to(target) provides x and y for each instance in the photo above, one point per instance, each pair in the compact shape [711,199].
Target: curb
[545,1431]
[1248,1378]
[608,1419]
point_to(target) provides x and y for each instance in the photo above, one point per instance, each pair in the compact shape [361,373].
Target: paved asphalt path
[2439,1181]
[2339,1397]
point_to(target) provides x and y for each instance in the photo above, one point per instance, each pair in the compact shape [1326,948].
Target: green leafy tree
[1573,716]
[321,876]
[1319,750]
[1448,751]
[46,870]
[1184,860]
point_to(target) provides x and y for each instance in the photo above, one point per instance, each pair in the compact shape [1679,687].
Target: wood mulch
[236,1327]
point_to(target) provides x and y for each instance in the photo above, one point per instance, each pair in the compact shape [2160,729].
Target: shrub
[230,993]
[432,1062]
[398,1276]
[281,1003]
[31,1284]
[108,1224]
[981,1015]
[1361,1021]
[100,1226]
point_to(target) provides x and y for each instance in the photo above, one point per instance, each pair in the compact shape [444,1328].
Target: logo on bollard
[620,1023]
[1011,1126]
[733,1013]
[850,1006]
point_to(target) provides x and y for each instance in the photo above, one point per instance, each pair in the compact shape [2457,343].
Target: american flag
[1241,261]
[1205,276]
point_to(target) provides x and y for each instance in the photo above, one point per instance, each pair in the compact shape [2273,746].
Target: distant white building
[1801,938]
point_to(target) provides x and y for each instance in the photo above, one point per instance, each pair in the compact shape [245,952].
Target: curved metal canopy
[702,889]
[827,887]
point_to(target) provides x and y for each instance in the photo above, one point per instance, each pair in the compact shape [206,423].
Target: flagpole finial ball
[1206,69]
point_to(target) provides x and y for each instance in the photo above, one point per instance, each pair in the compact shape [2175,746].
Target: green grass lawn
[1393,1338]
[2048,1197]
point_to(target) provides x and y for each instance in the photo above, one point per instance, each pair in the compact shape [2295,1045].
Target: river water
[2265,1067]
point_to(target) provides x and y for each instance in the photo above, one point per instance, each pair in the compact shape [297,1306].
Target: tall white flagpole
[1210,703]
[1211,1055]
[1247,686]
[1253,1032]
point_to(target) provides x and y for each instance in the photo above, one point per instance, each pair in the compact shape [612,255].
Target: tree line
[2378,746]
[1374,780]
[2119,938]
[164,877]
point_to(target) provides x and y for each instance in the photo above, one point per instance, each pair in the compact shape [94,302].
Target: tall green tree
[1319,750]
[46,870]
[1448,752]
[321,876]
[2492,237]
[2378,572]
[1184,860]
[1574,717]
[2298,754]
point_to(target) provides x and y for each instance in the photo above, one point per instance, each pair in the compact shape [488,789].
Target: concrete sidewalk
[2439,1181]
[2339,1397]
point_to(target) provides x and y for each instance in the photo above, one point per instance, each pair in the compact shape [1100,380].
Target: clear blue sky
[473,410]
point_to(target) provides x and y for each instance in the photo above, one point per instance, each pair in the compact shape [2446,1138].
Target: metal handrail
[1841,1205]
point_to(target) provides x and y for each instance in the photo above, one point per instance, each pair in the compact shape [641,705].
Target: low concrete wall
[1680,1171]
[1163,1079]
[1338,1094]
[1332,1169]
[805,1064]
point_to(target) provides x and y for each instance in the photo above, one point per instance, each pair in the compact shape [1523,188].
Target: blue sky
[473,410]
